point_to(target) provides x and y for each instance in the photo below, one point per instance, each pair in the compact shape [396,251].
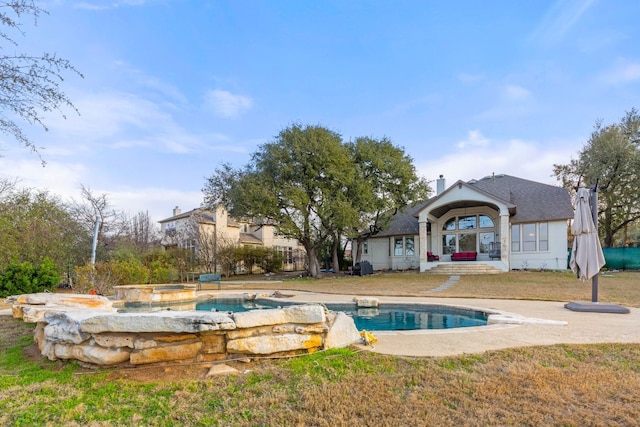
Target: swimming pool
[387,317]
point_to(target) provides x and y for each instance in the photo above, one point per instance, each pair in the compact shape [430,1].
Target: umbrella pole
[594,214]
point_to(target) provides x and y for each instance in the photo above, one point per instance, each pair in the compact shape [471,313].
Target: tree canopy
[315,187]
[29,83]
[611,158]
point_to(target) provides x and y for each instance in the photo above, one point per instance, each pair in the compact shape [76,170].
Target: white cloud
[621,73]
[516,92]
[516,157]
[558,20]
[474,139]
[469,78]
[227,104]
[61,179]
[64,180]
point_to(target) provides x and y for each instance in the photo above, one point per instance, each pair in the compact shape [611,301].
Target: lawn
[614,287]
[554,385]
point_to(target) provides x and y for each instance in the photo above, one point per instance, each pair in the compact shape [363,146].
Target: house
[500,220]
[204,232]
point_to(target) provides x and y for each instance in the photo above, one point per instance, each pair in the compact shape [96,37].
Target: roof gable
[528,201]
[534,201]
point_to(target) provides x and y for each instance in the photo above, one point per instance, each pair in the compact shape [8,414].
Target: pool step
[456,268]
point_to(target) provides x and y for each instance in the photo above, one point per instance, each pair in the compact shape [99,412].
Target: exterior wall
[553,259]
[380,255]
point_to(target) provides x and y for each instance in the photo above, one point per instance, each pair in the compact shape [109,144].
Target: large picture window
[475,233]
[404,246]
[533,237]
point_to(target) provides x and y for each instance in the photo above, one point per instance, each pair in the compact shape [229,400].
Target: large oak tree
[314,187]
[611,158]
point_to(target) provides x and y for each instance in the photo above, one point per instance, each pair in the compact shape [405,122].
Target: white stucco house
[500,220]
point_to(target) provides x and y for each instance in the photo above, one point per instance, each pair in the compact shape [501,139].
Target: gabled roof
[249,239]
[202,214]
[534,201]
[404,222]
[528,201]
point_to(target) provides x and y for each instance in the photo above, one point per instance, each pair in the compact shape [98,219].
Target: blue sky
[174,88]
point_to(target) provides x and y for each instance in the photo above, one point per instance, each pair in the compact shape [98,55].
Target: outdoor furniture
[494,251]
[432,257]
[208,278]
[362,268]
[464,256]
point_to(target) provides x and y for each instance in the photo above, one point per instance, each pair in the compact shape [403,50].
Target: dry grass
[572,385]
[617,287]
[569,385]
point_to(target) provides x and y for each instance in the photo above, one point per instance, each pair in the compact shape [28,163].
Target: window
[448,243]
[398,246]
[365,247]
[529,237]
[467,222]
[485,221]
[467,242]
[450,225]
[515,238]
[544,237]
[409,246]
[486,241]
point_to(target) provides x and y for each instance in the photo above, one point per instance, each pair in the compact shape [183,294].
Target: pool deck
[535,323]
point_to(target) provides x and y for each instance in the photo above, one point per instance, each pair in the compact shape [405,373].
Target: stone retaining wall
[87,328]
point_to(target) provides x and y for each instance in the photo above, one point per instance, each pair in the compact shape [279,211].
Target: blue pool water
[389,317]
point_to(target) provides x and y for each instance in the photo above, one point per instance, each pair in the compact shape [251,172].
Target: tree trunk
[359,247]
[312,258]
[334,255]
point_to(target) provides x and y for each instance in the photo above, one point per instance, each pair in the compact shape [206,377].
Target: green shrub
[25,278]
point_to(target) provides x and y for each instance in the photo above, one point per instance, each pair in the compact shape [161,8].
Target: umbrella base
[596,307]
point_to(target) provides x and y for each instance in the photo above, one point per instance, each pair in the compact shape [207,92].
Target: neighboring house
[203,231]
[511,223]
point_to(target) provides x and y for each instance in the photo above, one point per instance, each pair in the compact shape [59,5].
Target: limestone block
[64,327]
[213,343]
[300,329]
[37,313]
[159,321]
[169,338]
[366,302]
[142,343]
[114,340]
[16,311]
[342,332]
[311,313]
[166,353]
[67,300]
[269,344]
[91,354]
[221,369]
[250,332]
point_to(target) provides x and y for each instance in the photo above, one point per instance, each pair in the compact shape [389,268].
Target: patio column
[422,226]
[505,240]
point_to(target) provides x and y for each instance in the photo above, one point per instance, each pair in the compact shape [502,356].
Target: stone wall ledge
[88,329]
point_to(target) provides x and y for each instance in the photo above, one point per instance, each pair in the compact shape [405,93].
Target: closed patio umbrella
[586,257]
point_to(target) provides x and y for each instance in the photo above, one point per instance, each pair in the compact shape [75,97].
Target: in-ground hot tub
[132,294]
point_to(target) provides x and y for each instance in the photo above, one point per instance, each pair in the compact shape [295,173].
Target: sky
[172,89]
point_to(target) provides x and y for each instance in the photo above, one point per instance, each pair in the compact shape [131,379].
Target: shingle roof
[533,202]
[404,222]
